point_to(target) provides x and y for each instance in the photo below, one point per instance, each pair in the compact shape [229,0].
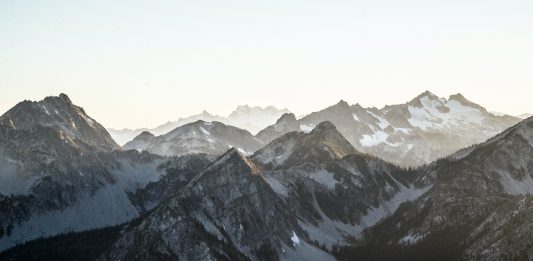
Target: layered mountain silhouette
[525,115]
[316,188]
[240,208]
[250,118]
[212,138]
[412,134]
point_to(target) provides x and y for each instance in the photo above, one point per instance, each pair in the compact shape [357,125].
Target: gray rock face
[248,208]
[60,172]
[336,191]
[61,115]
[287,123]
[227,212]
[199,137]
[179,172]
[478,204]
[412,134]
[295,148]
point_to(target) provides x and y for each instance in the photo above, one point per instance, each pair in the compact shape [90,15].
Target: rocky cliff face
[60,114]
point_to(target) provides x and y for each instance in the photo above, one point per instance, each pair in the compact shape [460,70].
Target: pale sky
[142,63]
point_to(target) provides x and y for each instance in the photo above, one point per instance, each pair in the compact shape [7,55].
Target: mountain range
[212,138]
[409,135]
[251,118]
[524,116]
[412,134]
[322,187]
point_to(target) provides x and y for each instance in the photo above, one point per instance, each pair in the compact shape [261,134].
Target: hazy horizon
[264,106]
[140,64]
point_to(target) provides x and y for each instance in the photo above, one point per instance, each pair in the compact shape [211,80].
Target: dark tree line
[86,245]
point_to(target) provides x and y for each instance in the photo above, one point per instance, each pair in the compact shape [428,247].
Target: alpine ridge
[227,212]
[198,137]
[412,134]
[250,118]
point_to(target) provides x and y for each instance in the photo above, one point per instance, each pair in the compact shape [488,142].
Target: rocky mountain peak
[460,98]
[200,136]
[285,124]
[426,94]
[61,115]
[323,143]
[61,100]
[140,142]
[199,122]
[326,134]
[324,127]
[231,163]
[146,134]
[357,106]
[342,104]
[65,98]
[287,117]
[234,155]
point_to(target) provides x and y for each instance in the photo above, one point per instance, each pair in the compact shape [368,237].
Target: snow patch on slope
[108,206]
[45,109]
[304,251]
[277,186]
[12,182]
[277,155]
[388,207]
[410,239]
[377,138]
[306,128]
[516,187]
[430,117]
[295,239]
[323,177]
[87,119]
[382,123]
